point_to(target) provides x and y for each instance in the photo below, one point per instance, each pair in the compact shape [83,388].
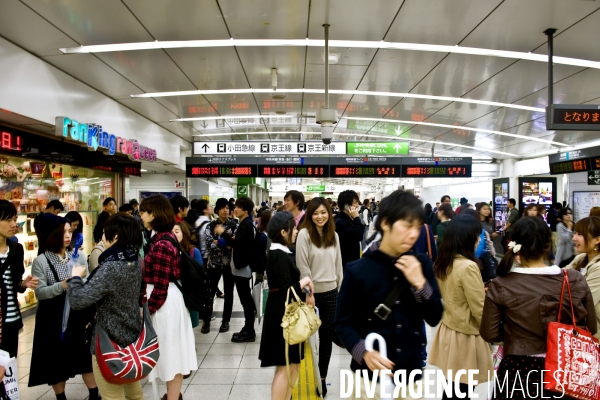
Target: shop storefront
[35,170]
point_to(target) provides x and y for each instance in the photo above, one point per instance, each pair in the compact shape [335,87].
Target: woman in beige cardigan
[457,343]
[587,245]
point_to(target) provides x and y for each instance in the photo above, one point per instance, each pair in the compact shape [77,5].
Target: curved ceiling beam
[333,91]
[332,43]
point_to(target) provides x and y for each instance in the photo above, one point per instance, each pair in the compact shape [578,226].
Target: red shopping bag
[572,357]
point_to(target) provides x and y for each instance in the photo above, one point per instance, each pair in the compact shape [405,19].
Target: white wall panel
[474,192]
[34,88]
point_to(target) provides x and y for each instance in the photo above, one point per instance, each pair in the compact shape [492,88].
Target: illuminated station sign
[292,167]
[224,167]
[365,167]
[437,167]
[573,117]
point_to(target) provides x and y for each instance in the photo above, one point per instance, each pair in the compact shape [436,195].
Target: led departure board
[291,171]
[595,163]
[226,167]
[460,171]
[573,117]
[365,167]
[567,167]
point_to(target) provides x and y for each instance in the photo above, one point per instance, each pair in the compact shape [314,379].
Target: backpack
[197,233]
[257,264]
[195,283]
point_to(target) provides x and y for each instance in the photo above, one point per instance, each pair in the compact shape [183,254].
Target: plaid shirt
[162,264]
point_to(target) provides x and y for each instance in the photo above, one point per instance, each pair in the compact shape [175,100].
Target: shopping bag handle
[562,294]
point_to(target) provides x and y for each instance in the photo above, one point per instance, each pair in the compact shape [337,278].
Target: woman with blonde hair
[318,257]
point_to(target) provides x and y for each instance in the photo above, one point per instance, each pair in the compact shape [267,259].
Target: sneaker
[205,328]
[224,327]
[243,337]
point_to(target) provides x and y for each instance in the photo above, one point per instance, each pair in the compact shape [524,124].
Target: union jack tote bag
[121,365]
[572,365]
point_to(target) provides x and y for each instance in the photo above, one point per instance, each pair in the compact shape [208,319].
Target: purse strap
[384,310]
[287,299]
[428,242]
[562,294]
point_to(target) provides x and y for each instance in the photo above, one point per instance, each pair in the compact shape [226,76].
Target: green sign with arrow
[315,188]
[377,148]
[593,177]
[386,128]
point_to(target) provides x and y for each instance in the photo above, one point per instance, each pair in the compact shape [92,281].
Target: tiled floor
[226,370]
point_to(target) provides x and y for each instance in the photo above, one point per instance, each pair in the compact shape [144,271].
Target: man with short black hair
[435,221]
[349,226]
[513,216]
[53,207]
[294,203]
[181,207]
[365,217]
[135,205]
[126,208]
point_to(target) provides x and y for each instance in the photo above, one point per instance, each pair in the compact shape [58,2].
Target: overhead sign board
[594,178]
[292,167]
[575,161]
[377,148]
[386,128]
[573,117]
[365,167]
[315,188]
[224,167]
[266,148]
[437,167]
[567,167]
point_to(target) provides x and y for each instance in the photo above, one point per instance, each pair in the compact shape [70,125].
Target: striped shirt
[12,307]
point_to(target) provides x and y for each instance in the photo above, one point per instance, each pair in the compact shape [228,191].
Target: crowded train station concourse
[299,199]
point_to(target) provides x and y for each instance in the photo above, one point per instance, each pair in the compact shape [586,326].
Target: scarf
[119,254]
[59,265]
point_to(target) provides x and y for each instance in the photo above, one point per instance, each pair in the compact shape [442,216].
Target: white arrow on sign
[397,147]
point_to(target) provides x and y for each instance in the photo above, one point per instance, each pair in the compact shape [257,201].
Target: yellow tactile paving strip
[306,389]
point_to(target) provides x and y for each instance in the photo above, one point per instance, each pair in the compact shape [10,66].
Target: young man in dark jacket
[349,227]
[368,282]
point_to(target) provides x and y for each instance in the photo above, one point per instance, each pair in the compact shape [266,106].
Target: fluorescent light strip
[387,137]
[225,117]
[463,127]
[332,43]
[333,91]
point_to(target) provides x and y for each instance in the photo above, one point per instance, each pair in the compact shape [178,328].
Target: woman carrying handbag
[522,301]
[283,275]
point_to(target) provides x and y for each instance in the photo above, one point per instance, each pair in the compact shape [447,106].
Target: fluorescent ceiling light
[225,117]
[387,137]
[332,43]
[143,170]
[334,91]
[463,127]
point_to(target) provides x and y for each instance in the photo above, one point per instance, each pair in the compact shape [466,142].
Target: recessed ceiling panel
[438,22]
[400,71]
[519,25]
[266,19]
[151,70]
[211,68]
[234,104]
[181,129]
[273,106]
[352,19]
[25,28]
[95,73]
[313,101]
[190,106]
[341,77]
[149,108]
[92,22]
[187,19]
[258,63]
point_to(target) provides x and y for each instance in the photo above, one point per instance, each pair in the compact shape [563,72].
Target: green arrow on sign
[377,148]
[593,177]
[315,188]
[386,128]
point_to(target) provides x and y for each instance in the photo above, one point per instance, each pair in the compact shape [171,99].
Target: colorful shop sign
[94,137]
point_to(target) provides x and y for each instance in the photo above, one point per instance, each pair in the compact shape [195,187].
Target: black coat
[350,231]
[282,274]
[367,282]
[243,244]
[17,269]
[99,228]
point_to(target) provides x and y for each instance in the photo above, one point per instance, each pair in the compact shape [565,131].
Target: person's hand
[215,241]
[375,361]
[219,229]
[494,235]
[79,270]
[412,270]
[64,284]
[31,282]
[354,212]
[2,371]
[310,300]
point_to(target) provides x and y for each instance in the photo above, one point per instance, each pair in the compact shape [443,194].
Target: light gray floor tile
[149,394]
[254,376]
[208,338]
[24,348]
[73,391]
[207,392]
[227,349]
[250,392]
[221,362]
[23,374]
[215,376]
[27,338]
[31,393]
[252,348]
[202,348]
[250,361]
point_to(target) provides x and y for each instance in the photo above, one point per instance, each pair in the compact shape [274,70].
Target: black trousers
[326,303]
[244,292]
[10,337]
[228,284]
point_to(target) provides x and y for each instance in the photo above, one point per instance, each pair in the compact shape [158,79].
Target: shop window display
[31,184]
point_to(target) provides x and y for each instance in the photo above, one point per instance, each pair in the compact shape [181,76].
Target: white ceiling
[41,27]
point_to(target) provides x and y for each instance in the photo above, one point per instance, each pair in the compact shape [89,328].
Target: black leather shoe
[224,327]
[243,337]
[205,328]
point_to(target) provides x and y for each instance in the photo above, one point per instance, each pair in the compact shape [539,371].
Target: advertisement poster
[538,191]
[500,202]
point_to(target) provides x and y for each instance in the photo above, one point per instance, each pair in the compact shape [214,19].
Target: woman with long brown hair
[184,237]
[318,257]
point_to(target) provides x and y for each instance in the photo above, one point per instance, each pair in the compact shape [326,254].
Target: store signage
[95,138]
[576,117]
[10,141]
[594,178]
[377,148]
[437,167]
[315,188]
[365,167]
[266,148]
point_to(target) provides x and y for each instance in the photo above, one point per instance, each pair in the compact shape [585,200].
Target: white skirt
[175,337]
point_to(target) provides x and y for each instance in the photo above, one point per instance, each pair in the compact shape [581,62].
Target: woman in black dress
[56,357]
[282,274]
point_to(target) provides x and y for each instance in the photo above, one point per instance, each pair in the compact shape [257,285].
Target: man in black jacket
[364,305]
[435,221]
[349,227]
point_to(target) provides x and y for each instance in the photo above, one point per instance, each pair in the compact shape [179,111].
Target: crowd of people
[421,265]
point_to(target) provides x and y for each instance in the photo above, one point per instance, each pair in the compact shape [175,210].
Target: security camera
[327,132]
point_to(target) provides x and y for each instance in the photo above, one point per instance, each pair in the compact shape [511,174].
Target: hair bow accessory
[514,247]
